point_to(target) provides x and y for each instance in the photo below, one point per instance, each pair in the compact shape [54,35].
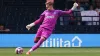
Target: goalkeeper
[48,19]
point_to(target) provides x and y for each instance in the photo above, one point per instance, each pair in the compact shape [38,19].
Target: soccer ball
[19,50]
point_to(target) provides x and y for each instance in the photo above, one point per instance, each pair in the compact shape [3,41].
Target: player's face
[48,6]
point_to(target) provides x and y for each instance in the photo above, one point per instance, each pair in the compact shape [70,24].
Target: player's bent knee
[43,38]
[36,40]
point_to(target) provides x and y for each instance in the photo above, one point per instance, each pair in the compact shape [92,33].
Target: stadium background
[16,14]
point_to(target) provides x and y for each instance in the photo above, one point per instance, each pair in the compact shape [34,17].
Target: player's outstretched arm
[73,8]
[70,11]
[35,23]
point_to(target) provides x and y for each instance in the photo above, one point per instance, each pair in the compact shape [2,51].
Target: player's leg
[42,39]
[38,35]
[45,34]
[36,39]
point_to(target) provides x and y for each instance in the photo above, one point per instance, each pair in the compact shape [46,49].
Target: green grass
[54,52]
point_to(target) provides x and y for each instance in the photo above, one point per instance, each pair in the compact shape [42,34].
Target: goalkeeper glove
[30,25]
[74,6]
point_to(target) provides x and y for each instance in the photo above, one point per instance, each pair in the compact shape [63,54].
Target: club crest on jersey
[49,16]
[55,13]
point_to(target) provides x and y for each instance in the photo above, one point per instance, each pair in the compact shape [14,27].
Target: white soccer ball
[19,50]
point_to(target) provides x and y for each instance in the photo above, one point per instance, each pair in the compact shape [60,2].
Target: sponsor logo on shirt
[49,16]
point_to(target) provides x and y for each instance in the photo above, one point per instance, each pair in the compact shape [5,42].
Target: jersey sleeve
[38,21]
[64,12]
[43,14]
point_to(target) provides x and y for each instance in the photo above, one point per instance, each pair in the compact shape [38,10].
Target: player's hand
[75,4]
[28,27]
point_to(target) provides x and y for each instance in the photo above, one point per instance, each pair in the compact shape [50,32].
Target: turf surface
[54,52]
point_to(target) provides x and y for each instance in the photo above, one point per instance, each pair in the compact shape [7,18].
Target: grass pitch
[54,52]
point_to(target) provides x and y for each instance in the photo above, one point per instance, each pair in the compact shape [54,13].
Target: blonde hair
[50,3]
